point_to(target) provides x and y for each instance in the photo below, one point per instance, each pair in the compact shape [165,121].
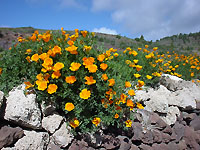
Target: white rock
[33,141]
[48,109]
[142,95]
[62,137]
[182,98]
[158,100]
[52,123]
[1,98]
[175,78]
[22,109]
[172,114]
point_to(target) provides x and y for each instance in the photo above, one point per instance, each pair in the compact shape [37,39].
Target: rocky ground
[170,121]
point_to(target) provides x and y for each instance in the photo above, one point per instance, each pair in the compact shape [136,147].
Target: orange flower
[128,123]
[84,33]
[87,48]
[92,68]
[131,92]
[88,61]
[48,62]
[127,84]
[103,66]
[129,103]
[137,75]
[43,56]
[96,121]
[42,84]
[139,105]
[70,79]
[1,71]
[28,84]
[58,66]
[70,42]
[69,106]
[28,58]
[85,94]
[101,57]
[90,80]
[56,74]
[140,83]
[111,82]
[149,77]
[35,57]
[72,49]
[138,67]
[146,46]
[56,50]
[192,74]
[28,51]
[116,116]
[104,77]
[75,66]
[52,88]
[123,98]
[74,123]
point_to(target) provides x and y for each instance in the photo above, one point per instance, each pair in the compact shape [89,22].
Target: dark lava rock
[161,146]
[111,142]
[125,143]
[191,138]
[178,131]
[145,147]
[9,135]
[195,123]
[157,121]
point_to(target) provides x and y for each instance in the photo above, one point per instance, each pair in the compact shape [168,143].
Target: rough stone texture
[52,123]
[9,135]
[1,98]
[195,123]
[191,138]
[125,143]
[23,109]
[62,137]
[53,147]
[94,139]
[48,109]
[31,141]
[171,116]
[111,142]
[158,100]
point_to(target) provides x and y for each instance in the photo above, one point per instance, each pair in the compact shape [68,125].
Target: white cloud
[105,30]
[154,19]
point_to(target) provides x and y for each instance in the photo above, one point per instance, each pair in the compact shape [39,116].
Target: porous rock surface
[170,120]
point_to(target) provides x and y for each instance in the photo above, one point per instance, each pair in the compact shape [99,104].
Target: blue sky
[152,18]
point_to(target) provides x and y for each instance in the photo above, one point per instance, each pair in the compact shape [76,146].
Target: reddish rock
[157,121]
[190,138]
[168,130]
[134,147]
[161,146]
[182,145]
[145,147]
[178,131]
[53,147]
[166,138]
[111,142]
[147,138]
[125,143]
[172,146]
[9,135]
[195,123]
[137,130]
[157,136]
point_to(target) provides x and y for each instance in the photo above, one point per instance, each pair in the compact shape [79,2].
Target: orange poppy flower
[56,50]
[85,94]
[131,92]
[56,74]
[92,68]
[127,84]
[116,116]
[35,57]
[104,77]
[69,106]
[75,66]
[103,66]
[58,66]
[128,123]
[74,123]
[96,121]
[70,79]
[84,33]
[111,82]
[52,88]
[90,80]
[101,57]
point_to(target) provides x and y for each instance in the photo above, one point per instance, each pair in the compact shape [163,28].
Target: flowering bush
[92,87]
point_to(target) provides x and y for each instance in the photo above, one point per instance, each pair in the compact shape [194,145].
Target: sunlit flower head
[69,106]
[96,121]
[85,94]
[75,66]
[52,88]
[70,79]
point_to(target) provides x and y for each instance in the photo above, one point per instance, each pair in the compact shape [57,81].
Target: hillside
[184,43]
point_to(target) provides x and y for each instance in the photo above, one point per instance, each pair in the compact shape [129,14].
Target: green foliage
[70,71]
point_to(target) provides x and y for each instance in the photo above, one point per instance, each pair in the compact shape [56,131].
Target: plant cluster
[92,87]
